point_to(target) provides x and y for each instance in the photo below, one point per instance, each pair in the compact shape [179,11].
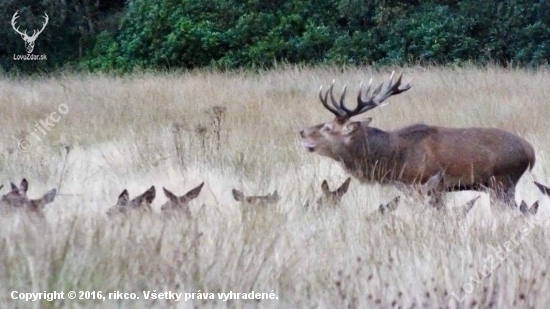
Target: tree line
[122,36]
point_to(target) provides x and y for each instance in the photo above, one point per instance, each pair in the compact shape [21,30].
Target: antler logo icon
[29,40]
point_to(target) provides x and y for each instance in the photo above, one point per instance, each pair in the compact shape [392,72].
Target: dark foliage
[164,34]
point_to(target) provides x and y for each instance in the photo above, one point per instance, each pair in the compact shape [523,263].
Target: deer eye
[327,127]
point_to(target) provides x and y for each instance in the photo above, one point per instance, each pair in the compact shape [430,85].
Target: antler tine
[342,98]
[13,19]
[325,104]
[43,26]
[360,93]
[367,92]
[373,99]
[377,90]
[388,91]
[369,103]
[406,87]
[332,99]
[393,89]
[370,85]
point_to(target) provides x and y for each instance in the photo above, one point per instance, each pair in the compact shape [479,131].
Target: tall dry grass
[160,129]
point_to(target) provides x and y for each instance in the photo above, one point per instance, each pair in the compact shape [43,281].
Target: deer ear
[324,186]
[24,185]
[432,183]
[123,198]
[391,206]
[328,126]
[171,196]
[344,187]
[351,127]
[523,207]
[49,197]
[543,188]
[367,121]
[534,208]
[46,199]
[237,195]
[469,205]
[193,193]
[147,196]
[150,194]
[13,187]
[275,196]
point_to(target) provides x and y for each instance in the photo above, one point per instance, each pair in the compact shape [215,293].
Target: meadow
[240,130]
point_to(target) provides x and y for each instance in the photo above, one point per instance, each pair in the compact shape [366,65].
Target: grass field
[162,129]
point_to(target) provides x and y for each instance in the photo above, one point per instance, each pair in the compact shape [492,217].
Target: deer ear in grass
[181,202]
[270,198]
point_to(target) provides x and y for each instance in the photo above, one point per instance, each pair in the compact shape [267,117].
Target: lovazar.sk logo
[29,40]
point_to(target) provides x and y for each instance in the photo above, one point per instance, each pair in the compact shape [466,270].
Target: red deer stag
[125,205]
[468,158]
[17,199]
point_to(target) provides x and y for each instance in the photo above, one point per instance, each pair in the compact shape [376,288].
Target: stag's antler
[34,36]
[373,99]
[34,33]
[13,25]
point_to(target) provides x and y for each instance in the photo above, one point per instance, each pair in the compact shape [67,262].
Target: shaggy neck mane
[371,155]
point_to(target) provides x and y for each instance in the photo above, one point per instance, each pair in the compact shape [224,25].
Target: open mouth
[309,146]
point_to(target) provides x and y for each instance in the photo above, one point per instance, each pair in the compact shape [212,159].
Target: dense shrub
[159,34]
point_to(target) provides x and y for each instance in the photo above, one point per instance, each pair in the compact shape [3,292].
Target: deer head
[124,204]
[29,40]
[17,198]
[256,200]
[175,202]
[333,197]
[332,139]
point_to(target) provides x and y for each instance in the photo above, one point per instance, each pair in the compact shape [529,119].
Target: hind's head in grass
[181,202]
[333,198]
[140,203]
[270,198]
[17,198]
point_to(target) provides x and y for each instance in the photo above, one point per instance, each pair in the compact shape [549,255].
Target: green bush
[164,34]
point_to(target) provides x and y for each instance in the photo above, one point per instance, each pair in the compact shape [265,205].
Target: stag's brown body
[467,158]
